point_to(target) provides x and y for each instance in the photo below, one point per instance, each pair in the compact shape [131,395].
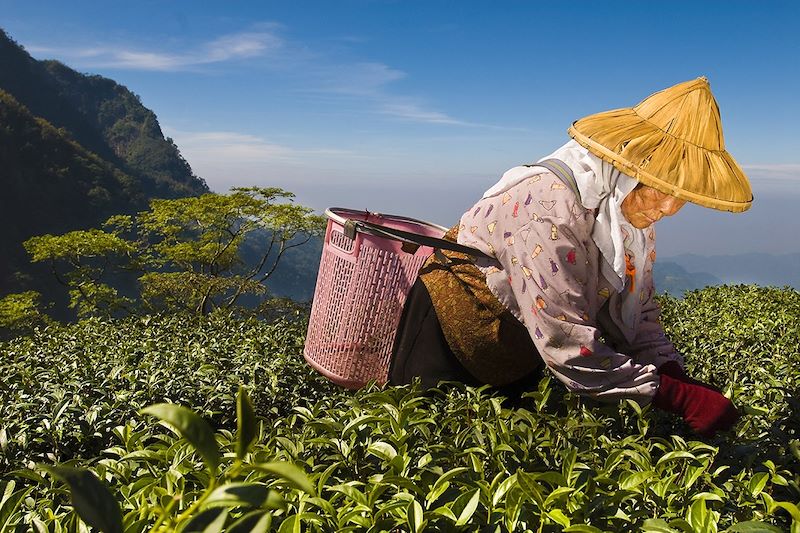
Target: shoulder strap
[408,237]
[562,171]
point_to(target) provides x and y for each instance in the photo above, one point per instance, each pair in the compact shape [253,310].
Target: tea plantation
[289,452]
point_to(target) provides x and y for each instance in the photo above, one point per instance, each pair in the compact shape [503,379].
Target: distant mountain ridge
[687,272]
[671,277]
[74,150]
[761,269]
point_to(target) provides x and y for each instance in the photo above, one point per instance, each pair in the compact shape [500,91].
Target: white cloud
[241,45]
[225,159]
[411,111]
[367,83]
[226,48]
[370,81]
[227,146]
[356,79]
[775,171]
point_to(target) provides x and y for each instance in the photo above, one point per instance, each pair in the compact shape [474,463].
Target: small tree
[188,251]
[21,312]
[81,260]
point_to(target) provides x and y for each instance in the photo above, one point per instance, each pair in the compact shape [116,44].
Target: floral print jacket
[547,273]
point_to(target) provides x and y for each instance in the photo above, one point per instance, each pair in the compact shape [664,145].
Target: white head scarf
[602,187]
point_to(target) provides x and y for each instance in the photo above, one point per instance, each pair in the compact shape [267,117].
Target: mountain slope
[50,184]
[102,116]
[74,150]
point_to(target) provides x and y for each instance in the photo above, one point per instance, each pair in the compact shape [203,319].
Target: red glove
[702,406]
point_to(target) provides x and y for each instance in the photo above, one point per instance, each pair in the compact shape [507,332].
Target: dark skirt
[421,350]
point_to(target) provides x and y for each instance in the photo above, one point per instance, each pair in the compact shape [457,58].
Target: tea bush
[67,387]
[307,457]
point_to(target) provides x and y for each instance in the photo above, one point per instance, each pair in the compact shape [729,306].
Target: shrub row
[399,458]
[65,388]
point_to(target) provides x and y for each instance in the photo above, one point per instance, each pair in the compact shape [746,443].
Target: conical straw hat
[672,141]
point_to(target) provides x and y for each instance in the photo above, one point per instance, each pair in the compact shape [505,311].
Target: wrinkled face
[645,205]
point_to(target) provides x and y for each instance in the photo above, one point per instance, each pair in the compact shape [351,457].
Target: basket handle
[351,226]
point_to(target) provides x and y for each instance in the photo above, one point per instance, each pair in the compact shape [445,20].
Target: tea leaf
[559,517]
[634,479]
[469,508]
[384,450]
[238,494]
[753,527]
[191,427]
[288,472]
[208,521]
[656,525]
[10,503]
[414,513]
[255,522]
[245,423]
[92,500]
[582,528]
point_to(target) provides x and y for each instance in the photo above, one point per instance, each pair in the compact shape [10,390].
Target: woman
[569,279]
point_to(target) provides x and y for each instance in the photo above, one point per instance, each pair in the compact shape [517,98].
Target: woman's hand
[702,406]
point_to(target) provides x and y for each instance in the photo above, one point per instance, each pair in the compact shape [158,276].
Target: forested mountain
[102,116]
[74,149]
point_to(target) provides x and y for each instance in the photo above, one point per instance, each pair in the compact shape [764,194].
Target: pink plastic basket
[362,285]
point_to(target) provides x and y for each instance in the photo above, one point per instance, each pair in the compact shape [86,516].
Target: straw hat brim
[640,149]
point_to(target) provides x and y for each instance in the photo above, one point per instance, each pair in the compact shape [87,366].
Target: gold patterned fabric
[487,339]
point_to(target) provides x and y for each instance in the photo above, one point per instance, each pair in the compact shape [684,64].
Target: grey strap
[562,171]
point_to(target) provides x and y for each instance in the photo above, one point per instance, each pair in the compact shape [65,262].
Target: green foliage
[67,388]
[188,251]
[91,500]
[745,339]
[453,458]
[191,427]
[88,256]
[77,246]
[21,312]
[103,116]
[50,185]
[199,241]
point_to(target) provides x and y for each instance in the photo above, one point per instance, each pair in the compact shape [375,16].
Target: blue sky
[417,107]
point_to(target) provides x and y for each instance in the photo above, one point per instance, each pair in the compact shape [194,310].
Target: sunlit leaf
[238,495]
[384,450]
[288,472]
[469,509]
[414,513]
[657,525]
[559,517]
[207,521]
[245,422]
[92,500]
[191,427]
[11,501]
[753,527]
[255,522]
[581,528]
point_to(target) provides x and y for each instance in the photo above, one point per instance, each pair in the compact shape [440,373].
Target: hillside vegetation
[74,149]
[304,455]
[104,117]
